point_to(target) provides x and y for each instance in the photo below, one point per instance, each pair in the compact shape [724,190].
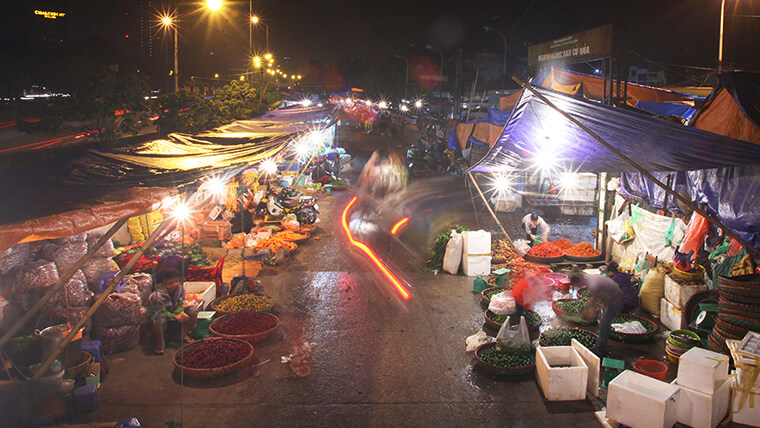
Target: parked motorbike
[274,206]
[423,162]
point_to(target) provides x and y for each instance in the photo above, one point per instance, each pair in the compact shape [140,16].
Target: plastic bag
[473,342]
[696,232]
[502,303]
[630,327]
[453,256]
[106,250]
[76,291]
[118,339]
[290,222]
[522,246]
[94,268]
[64,256]
[36,274]
[119,309]
[617,230]
[670,232]
[513,339]
[17,255]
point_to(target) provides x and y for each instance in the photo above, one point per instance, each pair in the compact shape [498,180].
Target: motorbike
[423,162]
[274,206]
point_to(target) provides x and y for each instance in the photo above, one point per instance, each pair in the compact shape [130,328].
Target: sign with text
[594,43]
[49,14]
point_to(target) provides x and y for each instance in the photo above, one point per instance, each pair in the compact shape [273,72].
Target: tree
[111,103]
[238,100]
[185,112]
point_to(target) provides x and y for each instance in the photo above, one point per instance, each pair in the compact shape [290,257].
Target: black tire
[307,215]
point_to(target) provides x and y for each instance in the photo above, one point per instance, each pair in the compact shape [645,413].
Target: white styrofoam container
[699,410]
[702,370]
[504,205]
[476,265]
[205,289]
[565,383]
[640,401]
[476,242]
[750,412]
[678,294]
[592,362]
[672,317]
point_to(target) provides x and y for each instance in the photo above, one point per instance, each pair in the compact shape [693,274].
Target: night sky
[679,32]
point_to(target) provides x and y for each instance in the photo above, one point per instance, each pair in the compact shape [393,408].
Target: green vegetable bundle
[562,337]
[506,360]
[438,250]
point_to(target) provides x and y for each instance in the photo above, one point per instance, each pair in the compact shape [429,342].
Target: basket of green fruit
[486,294]
[648,324]
[574,311]
[562,337]
[492,360]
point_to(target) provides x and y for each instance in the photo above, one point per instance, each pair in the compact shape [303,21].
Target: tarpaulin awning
[508,103]
[498,117]
[536,133]
[94,213]
[733,109]
[593,88]
[667,109]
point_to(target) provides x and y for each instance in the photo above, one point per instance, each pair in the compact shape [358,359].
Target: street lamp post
[430,48]
[506,48]
[169,24]
[406,82]
[720,38]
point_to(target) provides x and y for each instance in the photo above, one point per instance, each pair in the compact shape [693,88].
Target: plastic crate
[86,399]
[93,375]
[94,347]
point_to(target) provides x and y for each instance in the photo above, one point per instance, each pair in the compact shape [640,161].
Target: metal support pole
[720,37]
[176,63]
[493,214]
[640,169]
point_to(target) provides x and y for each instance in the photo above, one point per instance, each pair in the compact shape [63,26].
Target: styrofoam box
[640,401]
[749,413]
[476,265]
[678,294]
[672,317]
[593,362]
[205,289]
[564,383]
[699,410]
[476,242]
[504,205]
[702,370]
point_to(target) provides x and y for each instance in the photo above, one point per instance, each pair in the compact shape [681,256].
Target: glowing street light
[404,107]
[216,75]
[368,102]
[502,183]
[242,77]
[268,166]
[168,22]
[181,212]
[267,56]
[383,105]
[299,77]
[255,20]
[568,181]
[214,4]
[418,104]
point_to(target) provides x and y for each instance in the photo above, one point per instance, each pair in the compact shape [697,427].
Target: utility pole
[176,63]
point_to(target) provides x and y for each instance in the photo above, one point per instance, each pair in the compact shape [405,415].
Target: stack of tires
[738,310]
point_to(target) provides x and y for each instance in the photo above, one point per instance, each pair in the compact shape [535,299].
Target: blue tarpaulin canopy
[536,133]
[667,109]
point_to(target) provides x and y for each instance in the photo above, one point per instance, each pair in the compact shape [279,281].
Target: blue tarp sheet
[667,109]
[718,171]
[498,117]
[536,132]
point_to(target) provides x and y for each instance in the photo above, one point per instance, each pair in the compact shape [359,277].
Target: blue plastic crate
[95,348]
[86,399]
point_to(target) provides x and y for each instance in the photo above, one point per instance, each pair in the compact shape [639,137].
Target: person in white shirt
[535,226]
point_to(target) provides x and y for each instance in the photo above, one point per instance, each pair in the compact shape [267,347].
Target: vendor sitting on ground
[166,305]
[320,173]
[623,280]
[605,294]
[535,226]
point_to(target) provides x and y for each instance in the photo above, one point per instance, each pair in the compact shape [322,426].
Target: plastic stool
[612,368]
[86,399]
[94,347]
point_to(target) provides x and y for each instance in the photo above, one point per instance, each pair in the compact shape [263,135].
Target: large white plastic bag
[453,256]
[522,246]
[502,304]
[513,339]
[473,342]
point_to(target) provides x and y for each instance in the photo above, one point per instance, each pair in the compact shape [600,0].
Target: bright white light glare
[268,166]
[382,105]
[319,105]
[342,101]
[302,149]
[181,211]
[502,183]
[306,103]
[418,104]
[368,102]
[214,4]
[404,107]
[216,186]
[315,138]
[545,161]
[568,180]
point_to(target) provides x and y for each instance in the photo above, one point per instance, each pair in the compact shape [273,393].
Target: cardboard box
[637,400]
[702,370]
[672,317]
[678,295]
[561,373]
[476,242]
[205,289]
[476,265]
[699,410]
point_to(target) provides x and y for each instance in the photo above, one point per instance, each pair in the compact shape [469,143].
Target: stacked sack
[118,320]
[738,310]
